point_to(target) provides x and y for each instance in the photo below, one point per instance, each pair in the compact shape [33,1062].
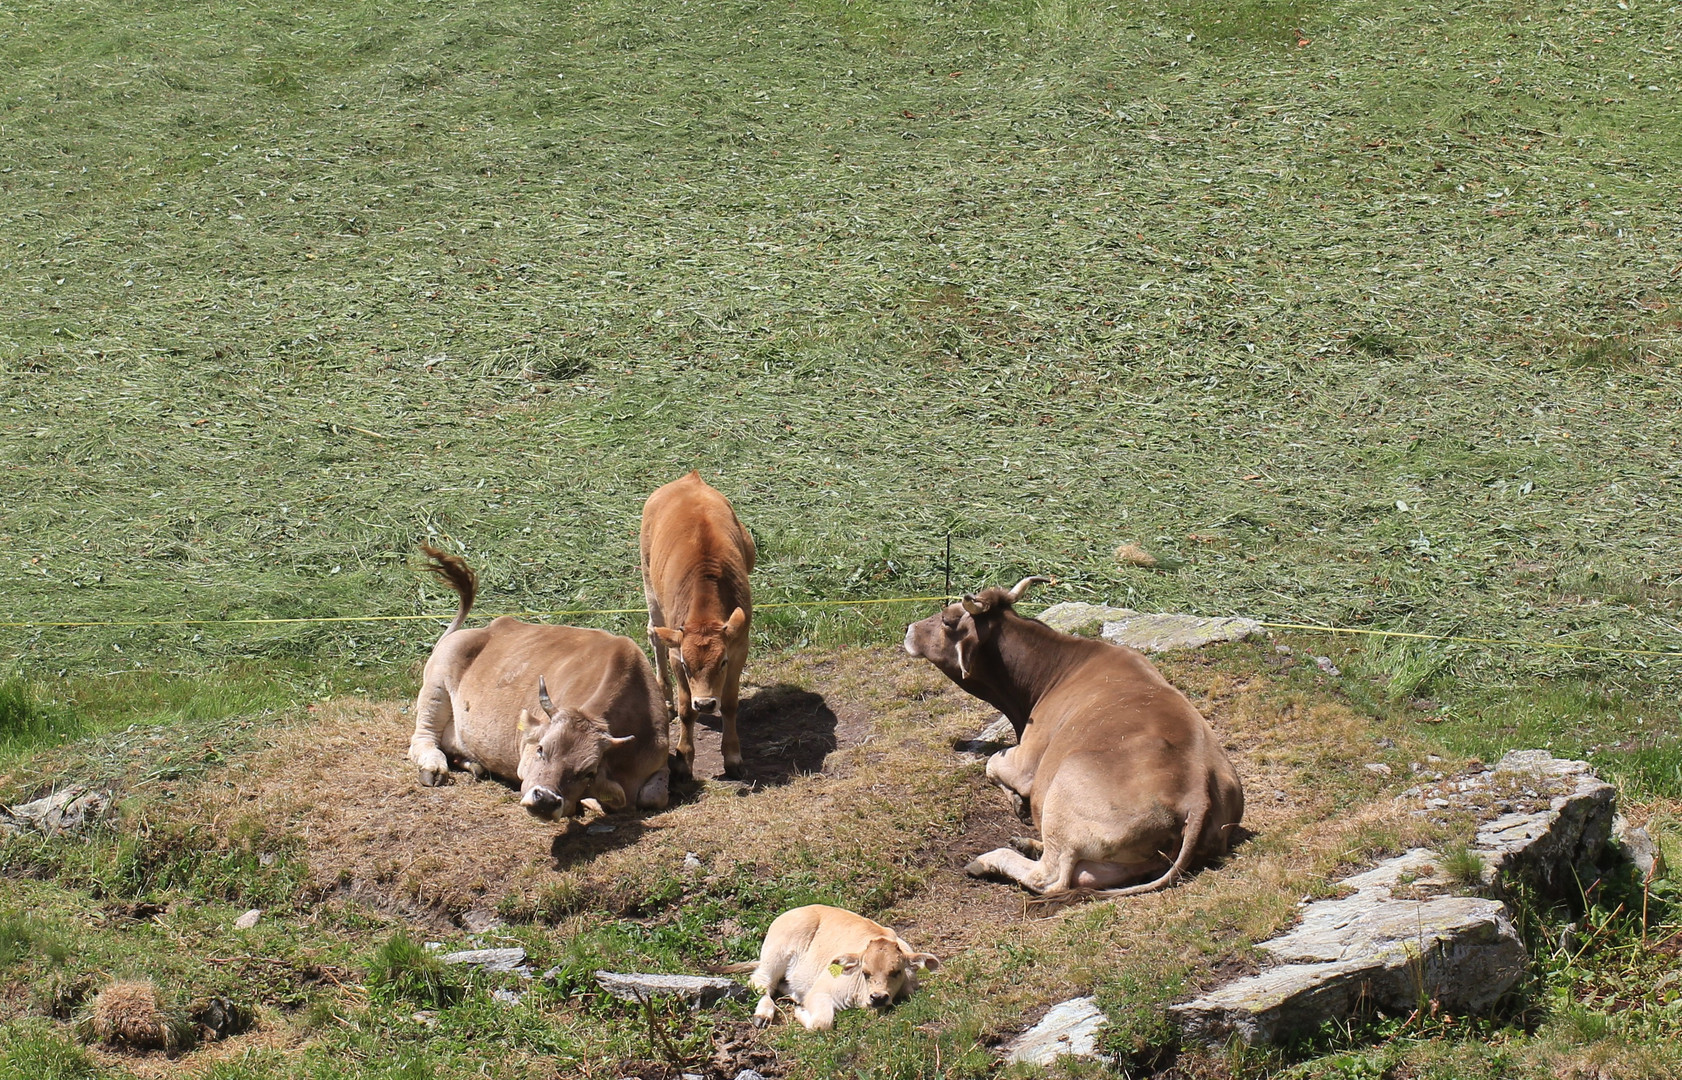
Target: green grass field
[1346,312]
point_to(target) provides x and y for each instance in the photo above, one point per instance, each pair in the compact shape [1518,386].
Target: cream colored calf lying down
[828,959]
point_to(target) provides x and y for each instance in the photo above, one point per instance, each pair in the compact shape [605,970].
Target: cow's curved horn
[543,697]
[1022,586]
[973,605]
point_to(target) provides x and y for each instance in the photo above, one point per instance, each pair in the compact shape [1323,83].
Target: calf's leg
[732,745]
[817,1013]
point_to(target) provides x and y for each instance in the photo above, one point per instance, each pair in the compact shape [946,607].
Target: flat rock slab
[699,991]
[1399,932]
[1071,1027]
[990,739]
[488,959]
[1158,632]
[63,811]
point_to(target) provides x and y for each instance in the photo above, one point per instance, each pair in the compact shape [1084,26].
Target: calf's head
[887,969]
[703,651]
[950,638]
[561,751]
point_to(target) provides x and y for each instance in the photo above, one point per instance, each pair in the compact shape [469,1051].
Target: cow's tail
[733,969]
[1188,851]
[459,577]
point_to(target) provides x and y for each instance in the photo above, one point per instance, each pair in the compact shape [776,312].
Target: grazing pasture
[1335,311]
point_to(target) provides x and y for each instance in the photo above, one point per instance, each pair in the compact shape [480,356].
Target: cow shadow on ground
[580,841]
[785,731]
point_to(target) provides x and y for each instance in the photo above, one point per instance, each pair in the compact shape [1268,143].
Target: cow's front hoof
[978,868]
[682,768]
[1028,846]
[733,768]
[432,777]
[479,771]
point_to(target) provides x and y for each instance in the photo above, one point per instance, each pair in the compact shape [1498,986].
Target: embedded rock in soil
[992,738]
[488,959]
[60,812]
[1400,933]
[698,990]
[1147,632]
[1070,1027]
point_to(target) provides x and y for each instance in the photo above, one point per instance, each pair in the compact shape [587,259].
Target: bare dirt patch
[852,772]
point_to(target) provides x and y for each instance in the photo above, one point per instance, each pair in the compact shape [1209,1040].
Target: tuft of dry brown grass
[131,1014]
[1133,555]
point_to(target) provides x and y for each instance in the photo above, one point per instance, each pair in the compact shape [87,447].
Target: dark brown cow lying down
[485,700]
[1124,778]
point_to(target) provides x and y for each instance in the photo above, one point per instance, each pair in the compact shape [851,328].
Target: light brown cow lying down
[696,557]
[1124,778]
[485,700]
[828,959]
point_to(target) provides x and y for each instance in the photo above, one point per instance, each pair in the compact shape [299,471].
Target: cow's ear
[530,727]
[733,626]
[966,650]
[667,635]
[975,605]
[847,962]
[925,961]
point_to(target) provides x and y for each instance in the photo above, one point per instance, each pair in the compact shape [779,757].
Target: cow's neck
[1019,666]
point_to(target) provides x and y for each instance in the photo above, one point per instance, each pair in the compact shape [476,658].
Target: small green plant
[1462,865]
[404,970]
[36,1053]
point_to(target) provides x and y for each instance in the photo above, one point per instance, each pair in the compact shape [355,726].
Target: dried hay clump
[130,1015]
[1134,555]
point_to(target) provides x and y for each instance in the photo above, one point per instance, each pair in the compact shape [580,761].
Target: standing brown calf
[696,556]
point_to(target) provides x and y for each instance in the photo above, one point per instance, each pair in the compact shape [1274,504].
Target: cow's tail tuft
[732,969]
[459,577]
[1188,850]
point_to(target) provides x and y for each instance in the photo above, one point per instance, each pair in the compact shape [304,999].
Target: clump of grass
[25,720]
[1462,865]
[404,970]
[1133,555]
[133,1014]
[33,1053]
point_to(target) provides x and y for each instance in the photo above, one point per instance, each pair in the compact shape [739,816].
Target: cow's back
[593,671]
[1115,710]
[690,533]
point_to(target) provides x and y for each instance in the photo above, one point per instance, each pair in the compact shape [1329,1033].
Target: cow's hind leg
[766,978]
[1049,872]
[433,715]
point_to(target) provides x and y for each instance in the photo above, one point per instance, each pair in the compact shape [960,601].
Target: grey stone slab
[68,810]
[1148,632]
[1637,846]
[488,959]
[990,739]
[1397,933]
[1070,1027]
[699,991]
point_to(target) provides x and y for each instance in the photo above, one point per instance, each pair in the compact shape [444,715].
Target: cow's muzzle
[879,1000]
[544,803]
[707,705]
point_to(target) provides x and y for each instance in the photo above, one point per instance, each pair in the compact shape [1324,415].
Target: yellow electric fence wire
[1319,628]
[440,618]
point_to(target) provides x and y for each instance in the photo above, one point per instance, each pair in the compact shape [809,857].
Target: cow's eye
[541,753]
